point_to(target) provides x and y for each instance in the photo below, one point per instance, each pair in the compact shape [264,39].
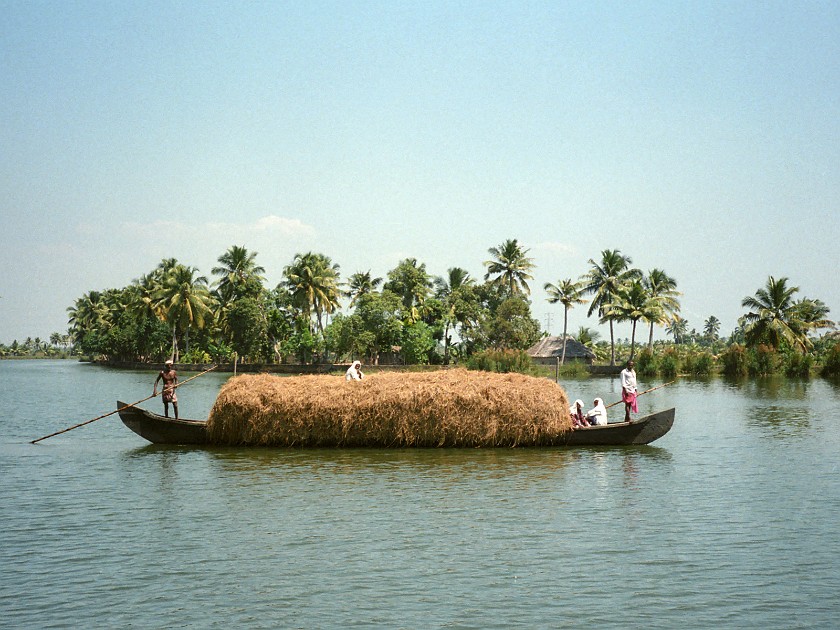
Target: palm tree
[587,336]
[603,282]
[511,267]
[412,283]
[240,274]
[662,289]
[678,328]
[87,314]
[313,282]
[711,327]
[813,313]
[142,302]
[184,300]
[460,306]
[774,317]
[632,302]
[361,283]
[568,293]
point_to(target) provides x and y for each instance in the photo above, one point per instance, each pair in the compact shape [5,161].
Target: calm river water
[731,520]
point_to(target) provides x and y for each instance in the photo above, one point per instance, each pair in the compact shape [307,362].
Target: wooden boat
[161,430]
[642,431]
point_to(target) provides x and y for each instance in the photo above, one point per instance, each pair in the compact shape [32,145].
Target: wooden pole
[111,413]
[639,394]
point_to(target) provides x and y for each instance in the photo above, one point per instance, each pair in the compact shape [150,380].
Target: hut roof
[550,347]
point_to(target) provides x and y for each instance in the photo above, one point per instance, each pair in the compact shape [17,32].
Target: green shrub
[798,365]
[735,361]
[669,364]
[699,364]
[574,368]
[501,361]
[646,363]
[196,356]
[831,364]
[762,361]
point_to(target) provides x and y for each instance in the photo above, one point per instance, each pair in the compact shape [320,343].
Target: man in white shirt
[628,390]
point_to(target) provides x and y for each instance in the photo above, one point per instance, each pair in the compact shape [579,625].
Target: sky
[701,138]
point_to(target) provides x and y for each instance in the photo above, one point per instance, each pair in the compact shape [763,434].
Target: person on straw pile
[598,414]
[628,390]
[578,417]
[354,372]
[170,380]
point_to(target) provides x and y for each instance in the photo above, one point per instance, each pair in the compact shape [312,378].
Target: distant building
[548,351]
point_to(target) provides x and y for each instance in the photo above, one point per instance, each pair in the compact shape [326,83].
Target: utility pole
[548,322]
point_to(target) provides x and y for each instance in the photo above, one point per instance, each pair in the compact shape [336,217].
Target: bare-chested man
[170,380]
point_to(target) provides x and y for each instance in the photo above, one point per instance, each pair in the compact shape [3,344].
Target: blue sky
[702,138]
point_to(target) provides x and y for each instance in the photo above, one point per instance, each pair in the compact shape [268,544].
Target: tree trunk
[565,326]
[650,339]
[612,345]
[174,344]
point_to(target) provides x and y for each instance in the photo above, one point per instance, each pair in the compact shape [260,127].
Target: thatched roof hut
[549,349]
[453,407]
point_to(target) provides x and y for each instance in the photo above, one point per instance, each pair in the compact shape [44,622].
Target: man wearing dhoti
[628,390]
[168,395]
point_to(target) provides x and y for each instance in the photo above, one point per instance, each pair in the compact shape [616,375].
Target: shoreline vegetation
[314,318]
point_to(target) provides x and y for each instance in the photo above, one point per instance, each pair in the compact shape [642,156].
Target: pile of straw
[391,409]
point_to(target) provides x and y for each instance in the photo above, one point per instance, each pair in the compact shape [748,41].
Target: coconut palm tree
[87,314]
[511,267]
[568,293]
[361,283]
[587,336]
[632,302]
[814,313]
[183,299]
[711,327]
[774,317]
[412,283]
[313,282]
[603,282]
[678,328]
[460,305]
[239,274]
[662,289]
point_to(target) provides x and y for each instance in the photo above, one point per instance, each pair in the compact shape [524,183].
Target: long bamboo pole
[644,392]
[111,413]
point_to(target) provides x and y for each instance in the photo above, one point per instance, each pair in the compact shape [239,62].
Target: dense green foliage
[416,318]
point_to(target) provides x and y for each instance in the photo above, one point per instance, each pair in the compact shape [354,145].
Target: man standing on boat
[628,390]
[170,380]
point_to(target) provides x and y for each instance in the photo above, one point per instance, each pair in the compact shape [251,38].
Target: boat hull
[159,429]
[162,430]
[642,431]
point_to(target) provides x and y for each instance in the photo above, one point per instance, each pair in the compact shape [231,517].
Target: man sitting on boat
[598,414]
[354,372]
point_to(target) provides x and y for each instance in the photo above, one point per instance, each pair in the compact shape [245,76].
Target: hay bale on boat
[390,409]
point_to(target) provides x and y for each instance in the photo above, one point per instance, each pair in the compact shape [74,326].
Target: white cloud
[265,226]
[556,249]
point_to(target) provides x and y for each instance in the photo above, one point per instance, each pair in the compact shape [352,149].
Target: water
[730,520]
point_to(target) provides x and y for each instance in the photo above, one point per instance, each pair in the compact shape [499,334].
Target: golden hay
[390,409]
